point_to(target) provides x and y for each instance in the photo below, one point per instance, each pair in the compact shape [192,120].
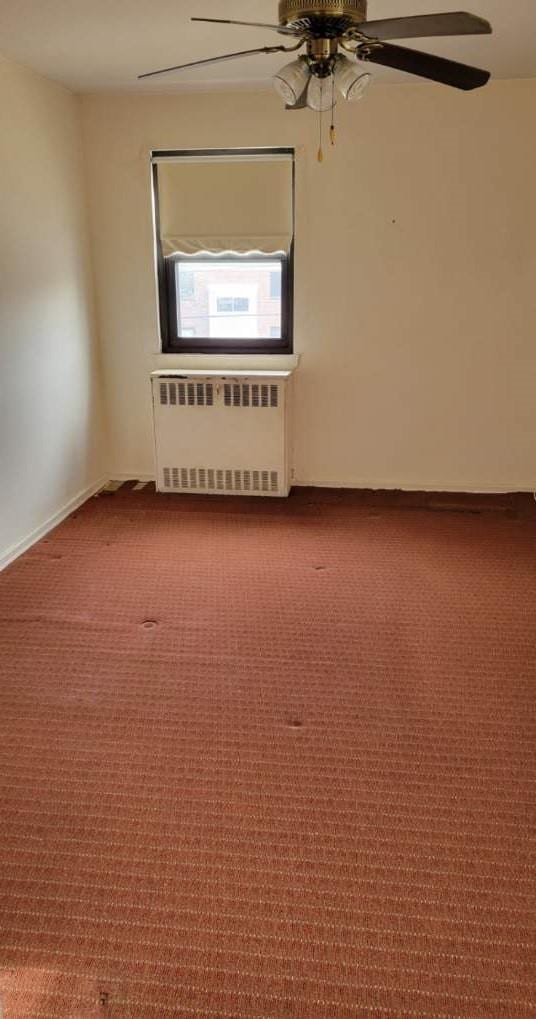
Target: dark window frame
[171,342]
[225,345]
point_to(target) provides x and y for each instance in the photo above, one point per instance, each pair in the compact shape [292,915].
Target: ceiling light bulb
[320,94]
[291,81]
[350,80]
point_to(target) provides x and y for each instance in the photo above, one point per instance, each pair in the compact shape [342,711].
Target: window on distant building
[232,305]
[187,285]
[225,253]
[275,285]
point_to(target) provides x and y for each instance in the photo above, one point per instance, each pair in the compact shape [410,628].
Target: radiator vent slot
[209,479]
[187,394]
[236,394]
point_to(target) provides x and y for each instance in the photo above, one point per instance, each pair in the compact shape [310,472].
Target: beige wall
[415,277]
[51,447]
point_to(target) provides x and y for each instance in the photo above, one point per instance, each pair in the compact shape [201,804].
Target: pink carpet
[270,759]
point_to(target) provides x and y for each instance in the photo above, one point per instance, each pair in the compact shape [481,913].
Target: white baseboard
[22,546]
[131,476]
[425,486]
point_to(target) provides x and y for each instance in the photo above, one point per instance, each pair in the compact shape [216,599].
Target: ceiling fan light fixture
[350,80]
[320,94]
[291,81]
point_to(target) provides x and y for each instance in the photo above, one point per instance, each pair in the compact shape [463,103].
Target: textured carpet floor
[269,759]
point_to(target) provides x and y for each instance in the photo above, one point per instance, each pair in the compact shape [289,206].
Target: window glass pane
[238,299]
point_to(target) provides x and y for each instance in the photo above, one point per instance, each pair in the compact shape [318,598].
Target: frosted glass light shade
[291,81]
[320,94]
[350,81]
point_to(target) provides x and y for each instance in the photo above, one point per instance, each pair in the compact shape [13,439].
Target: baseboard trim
[368,484]
[432,487]
[131,476]
[9,556]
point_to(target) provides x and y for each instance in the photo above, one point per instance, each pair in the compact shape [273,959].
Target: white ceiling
[95,45]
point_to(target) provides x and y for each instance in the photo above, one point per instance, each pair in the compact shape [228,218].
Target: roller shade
[230,205]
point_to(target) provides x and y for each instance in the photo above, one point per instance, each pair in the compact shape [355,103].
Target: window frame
[171,342]
[225,345]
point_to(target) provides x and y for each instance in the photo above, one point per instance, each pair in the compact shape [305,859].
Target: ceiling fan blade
[250,24]
[216,60]
[423,25]
[425,65]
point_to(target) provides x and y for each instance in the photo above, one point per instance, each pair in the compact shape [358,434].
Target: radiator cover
[222,434]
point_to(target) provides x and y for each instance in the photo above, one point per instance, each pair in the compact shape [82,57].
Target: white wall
[51,436]
[415,277]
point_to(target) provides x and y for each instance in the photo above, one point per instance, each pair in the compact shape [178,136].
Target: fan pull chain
[320,147]
[332,134]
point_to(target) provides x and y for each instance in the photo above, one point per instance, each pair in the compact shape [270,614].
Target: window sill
[227,362]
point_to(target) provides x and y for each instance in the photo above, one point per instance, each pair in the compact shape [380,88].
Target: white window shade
[233,205]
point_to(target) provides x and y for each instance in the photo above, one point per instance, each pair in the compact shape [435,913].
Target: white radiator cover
[222,434]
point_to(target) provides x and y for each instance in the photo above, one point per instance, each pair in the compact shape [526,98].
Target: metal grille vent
[208,479]
[246,395]
[187,394]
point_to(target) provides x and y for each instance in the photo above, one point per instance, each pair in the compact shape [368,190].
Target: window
[187,286]
[217,291]
[232,299]
[275,285]
[236,305]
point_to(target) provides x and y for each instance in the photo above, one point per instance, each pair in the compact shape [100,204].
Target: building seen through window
[218,298]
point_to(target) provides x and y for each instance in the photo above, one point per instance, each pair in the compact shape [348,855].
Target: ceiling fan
[326,26]
[330,29]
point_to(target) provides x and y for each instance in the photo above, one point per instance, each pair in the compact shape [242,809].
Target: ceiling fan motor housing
[296,11]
